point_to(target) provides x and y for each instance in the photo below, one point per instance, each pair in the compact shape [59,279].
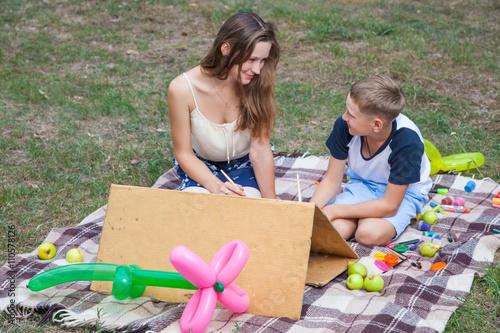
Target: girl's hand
[229,189]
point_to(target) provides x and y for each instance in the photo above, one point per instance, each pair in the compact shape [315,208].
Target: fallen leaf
[133,52]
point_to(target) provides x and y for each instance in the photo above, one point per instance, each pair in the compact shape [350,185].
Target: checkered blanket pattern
[413,300]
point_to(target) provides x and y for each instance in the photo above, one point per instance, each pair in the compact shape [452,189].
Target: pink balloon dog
[215,282]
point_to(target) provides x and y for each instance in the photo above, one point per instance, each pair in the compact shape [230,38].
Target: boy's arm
[387,206]
[330,184]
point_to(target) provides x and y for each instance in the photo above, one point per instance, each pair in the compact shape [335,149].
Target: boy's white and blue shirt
[401,160]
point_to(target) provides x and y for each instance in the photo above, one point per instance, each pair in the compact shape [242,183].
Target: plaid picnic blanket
[413,300]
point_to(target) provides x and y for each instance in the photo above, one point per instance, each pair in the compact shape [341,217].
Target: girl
[222,112]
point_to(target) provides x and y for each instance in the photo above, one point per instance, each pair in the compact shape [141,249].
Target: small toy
[431,234]
[455,210]
[399,263]
[413,247]
[439,191]
[469,187]
[416,218]
[459,202]
[413,262]
[438,208]
[447,201]
[413,241]
[391,259]
[438,266]
[452,237]
[214,281]
[457,162]
[381,265]
[423,226]
[400,248]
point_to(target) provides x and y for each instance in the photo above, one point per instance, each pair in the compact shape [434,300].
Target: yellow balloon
[457,162]
[462,162]
[434,156]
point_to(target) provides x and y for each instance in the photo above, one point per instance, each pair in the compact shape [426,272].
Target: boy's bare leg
[375,231]
[345,227]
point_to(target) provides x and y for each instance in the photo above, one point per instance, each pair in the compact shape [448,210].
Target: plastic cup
[469,187]
[447,201]
[459,202]
[424,226]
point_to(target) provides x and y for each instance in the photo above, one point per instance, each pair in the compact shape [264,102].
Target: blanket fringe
[60,315]
[67,319]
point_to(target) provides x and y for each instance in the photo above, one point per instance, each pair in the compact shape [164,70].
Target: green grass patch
[84,88]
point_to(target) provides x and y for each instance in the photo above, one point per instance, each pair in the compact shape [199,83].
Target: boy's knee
[369,235]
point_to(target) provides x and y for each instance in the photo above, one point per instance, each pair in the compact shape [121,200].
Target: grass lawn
[83,96]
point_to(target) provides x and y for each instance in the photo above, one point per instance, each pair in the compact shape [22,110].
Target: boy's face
[359,123]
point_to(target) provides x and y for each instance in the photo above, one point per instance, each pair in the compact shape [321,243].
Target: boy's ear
[225,49]
[378,124]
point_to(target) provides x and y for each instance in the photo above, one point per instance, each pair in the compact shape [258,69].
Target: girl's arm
[262,159]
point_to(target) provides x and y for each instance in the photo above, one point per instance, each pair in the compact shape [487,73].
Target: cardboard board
[290,243]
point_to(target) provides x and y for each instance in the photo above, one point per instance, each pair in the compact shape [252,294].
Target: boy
[387,166]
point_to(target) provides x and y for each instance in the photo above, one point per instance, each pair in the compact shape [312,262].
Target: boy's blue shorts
[356,191]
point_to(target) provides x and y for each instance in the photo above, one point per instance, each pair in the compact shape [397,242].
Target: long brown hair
[242,32]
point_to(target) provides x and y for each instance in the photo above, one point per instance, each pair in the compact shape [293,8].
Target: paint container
[459,202]
[391,259]
[447,201]
[424,226]
[469,187]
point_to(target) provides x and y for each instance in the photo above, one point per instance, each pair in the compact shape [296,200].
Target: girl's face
[359,124]
[254,64]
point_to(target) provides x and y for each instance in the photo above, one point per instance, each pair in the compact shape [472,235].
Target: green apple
[356,268]
[47,251]
[429,249]
[74,255]
[354,281]
[374,283]
[430,217]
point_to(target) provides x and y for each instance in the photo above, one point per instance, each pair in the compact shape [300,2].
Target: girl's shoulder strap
[192,91]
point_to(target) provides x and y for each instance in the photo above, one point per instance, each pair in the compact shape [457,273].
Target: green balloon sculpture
[128,281]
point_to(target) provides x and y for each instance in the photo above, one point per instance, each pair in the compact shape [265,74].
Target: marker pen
[463,211]
[439,191]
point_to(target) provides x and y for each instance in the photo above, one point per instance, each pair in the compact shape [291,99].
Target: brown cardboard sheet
[290,243]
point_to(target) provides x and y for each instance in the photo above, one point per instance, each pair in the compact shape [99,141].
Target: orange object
[496,201]
[316,183]
[391,259]
[438,265]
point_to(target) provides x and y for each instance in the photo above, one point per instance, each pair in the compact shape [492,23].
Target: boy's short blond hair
[378,96]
